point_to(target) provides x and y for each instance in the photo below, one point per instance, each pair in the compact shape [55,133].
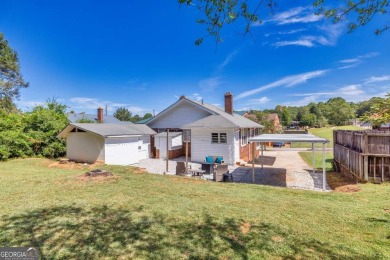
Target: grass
[325,132]
[140,215]
[308,158]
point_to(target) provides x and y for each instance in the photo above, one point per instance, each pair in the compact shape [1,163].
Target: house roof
[74,117]
[109,130]
[272,116]
[143,121]
[225,120]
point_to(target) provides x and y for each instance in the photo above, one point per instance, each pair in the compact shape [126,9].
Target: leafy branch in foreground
[216,14]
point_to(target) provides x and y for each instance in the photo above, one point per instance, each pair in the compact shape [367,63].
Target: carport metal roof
[288,138]
[308,138]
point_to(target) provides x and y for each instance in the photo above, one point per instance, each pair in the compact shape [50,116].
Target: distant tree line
[336,112]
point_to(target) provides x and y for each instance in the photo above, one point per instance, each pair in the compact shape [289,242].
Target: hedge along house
[213,131]
[118,144]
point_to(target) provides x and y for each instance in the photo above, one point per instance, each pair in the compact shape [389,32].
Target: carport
[305,138]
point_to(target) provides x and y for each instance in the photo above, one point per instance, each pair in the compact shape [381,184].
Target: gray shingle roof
[107,130]
[74,117]
[224,120]
[171,134]
[235,119]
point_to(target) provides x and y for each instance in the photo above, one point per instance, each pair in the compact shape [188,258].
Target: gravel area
[281,168]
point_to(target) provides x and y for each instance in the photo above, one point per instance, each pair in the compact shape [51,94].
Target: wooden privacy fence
[363,154]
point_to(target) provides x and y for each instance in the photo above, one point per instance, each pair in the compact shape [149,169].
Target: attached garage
[117,144]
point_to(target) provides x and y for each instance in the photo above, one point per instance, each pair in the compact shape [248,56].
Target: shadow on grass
[103,232]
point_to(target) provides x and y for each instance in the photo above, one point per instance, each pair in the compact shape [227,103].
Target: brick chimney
[229,103]
[100,115]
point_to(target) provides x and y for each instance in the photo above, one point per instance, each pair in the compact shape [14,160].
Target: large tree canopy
[11,80]
[216,14]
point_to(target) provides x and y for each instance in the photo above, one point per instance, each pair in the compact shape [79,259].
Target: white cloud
[288,81]
[329,35]
[89,105]
[285,32]
[210,83]
[351,90]
[353,62]
[301,42]
[302,102]
[227,60]
[262,100]
[296,15]
[196,97]
[28,104]
[377,79]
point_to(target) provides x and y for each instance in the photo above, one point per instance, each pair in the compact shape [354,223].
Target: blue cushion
[219,160]
[209,159]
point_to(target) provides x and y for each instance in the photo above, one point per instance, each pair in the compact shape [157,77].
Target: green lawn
[140,215]
[308,158]
[325,132]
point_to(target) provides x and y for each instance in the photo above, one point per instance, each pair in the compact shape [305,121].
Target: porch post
[314,159]
[323,168]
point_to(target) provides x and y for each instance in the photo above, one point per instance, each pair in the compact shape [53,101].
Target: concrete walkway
[281,168]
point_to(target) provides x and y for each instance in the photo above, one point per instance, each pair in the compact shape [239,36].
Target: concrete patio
[281,168]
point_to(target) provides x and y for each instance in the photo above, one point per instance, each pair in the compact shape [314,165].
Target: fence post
[365,168]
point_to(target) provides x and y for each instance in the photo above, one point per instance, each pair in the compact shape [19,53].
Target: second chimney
[100,115]
[229,103]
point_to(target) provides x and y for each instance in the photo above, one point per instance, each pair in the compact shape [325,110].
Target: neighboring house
[274,118]
[213,131]
[97,118]
[119,144]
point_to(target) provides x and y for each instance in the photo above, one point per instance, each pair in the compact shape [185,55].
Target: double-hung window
[218,138]
[244,137]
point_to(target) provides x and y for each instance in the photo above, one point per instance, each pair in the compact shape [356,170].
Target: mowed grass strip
[141,215]
[308,158]
[325,132]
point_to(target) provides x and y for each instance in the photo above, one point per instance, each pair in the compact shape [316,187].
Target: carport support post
[167,166]
[314,159]
[253,162]
[262,156]
[323,168]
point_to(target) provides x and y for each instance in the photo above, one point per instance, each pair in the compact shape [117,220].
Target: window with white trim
[218,138]
[244,137]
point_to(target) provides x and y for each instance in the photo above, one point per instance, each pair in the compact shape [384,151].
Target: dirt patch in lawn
[72,165]
[245,227]
[97,179]
[340,183]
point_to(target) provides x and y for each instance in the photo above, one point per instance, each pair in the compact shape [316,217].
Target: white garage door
[122,151]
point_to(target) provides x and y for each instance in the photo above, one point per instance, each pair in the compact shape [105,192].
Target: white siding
[236,145]
[124,151]
[174,144]
[85,147]
[201,145]
[178,116]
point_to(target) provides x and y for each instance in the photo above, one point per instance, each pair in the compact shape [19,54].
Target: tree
[309,120]
[286,117]
[379,113]
[123,114]
[147,115]
[217,14]
[338,111]
[135,118]
[11,80]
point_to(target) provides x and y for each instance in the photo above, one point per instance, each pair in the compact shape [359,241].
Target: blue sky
[141,55]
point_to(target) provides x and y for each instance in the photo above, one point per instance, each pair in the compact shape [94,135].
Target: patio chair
[220,170]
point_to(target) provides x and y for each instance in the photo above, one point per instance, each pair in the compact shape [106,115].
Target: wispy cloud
[288,81]
[297,15]
[328,37]
[196,96]
[210,84]
[285,32]
[261,101]
[227,60]
[28,104]
[87,104]
[353,62]
[374,79]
